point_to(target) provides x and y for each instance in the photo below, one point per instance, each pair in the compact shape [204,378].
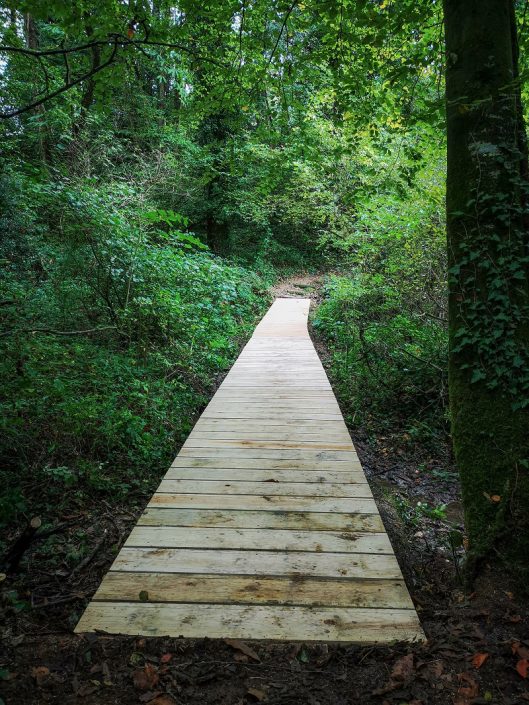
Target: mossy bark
[488,246]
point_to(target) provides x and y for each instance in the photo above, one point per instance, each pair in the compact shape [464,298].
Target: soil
[478,639]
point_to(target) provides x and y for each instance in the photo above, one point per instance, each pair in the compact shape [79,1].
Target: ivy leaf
[477,376]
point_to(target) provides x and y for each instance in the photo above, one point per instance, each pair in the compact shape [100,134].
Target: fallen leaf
[163,700]
[432,670]
[523,667]
[479,659]
[515,618]
[467,692]
[242,647]
[87,689]
[144,596]
[149,695]
[146,678]
[40,674]
[495,498]
[107,678]
[303,655]
[403,668]
[520,650]
[165,658]
[256,693]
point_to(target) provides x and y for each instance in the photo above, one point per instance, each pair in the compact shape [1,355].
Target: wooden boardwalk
[264,527]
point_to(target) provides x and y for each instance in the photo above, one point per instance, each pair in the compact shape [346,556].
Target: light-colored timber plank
[273,385]
[193,442]
[264,526]
[233,562]
[286,415]
[252,404]
[275,454]
[262,539]
[269,425]
[296,489]
[267,476]
[250,622]
[278,435]
[250,397]
[265,503]
[265,463]
[320,521]
[252,590]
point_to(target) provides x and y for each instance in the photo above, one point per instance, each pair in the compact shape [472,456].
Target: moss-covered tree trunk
[488,246]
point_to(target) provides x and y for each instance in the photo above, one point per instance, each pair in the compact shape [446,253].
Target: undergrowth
[115,325]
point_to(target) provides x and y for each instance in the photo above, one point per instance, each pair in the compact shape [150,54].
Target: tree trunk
[488,248]
[32,42]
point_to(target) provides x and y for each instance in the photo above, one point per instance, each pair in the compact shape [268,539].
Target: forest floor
[478,642]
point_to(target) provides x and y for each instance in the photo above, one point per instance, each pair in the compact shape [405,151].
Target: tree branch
[285,20]
[117,41]
[64,87]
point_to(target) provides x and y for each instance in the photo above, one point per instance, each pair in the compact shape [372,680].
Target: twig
[420,359]
[90,557]
[14,554]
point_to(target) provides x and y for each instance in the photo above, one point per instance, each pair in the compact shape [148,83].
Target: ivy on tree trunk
[488,249]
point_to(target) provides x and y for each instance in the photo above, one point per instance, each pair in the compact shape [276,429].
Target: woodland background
[165,170]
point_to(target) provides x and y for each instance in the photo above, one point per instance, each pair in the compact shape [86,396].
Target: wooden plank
[265,503]
[266,396]
[288,454]
[251,590]
[278,435]
[262,539]
[253,622]
[266,463]
[314,521]
[232,562]
[267,476]
[194,442]
[287,416]
[307,426]
[295,489]
[296,405]
[268,393]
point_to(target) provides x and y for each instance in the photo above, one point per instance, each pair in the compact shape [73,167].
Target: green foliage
[385,322]
[102,410]
[490,278]
[412,514]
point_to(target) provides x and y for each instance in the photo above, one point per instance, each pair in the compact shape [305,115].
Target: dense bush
[103,410]
[385,320]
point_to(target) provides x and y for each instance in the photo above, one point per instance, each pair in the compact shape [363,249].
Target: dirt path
[301,286]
